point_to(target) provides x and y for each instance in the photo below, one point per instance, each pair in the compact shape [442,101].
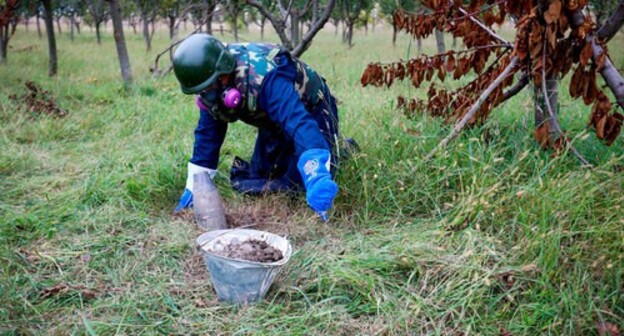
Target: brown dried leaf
[489,18]
[591,89]
[542,135]
[366,75]
[576,84]
[600,127]
[586,54]
[400,73]
[553,12]
[552,37]
[450,63]
[63,288]
[430,72]
[400,102]
[389,76]
[441,73]
[613,127]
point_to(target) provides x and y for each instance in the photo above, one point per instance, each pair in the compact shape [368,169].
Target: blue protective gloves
[186,201]
[313,165]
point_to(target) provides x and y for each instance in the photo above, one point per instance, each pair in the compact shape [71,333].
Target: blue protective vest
[253,62]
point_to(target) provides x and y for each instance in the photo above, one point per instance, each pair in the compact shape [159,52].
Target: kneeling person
[265,86]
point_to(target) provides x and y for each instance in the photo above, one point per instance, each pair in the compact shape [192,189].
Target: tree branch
[481,10]
[456,53]
[278,24]
[609,72]
[613,24]
[306,41]
[475,107]
[482,25]
[514,90]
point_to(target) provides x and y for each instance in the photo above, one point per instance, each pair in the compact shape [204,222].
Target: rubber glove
[313,166]
[186,200]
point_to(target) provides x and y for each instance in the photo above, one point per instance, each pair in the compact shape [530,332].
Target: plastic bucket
[241,281]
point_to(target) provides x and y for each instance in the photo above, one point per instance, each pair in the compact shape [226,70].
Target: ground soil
[251,250]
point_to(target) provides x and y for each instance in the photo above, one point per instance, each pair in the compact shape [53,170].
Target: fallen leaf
[607,329]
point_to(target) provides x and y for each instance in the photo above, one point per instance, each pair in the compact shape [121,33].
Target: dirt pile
[38,101]
[250,250]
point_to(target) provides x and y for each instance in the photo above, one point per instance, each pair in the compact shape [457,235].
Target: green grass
[492,234]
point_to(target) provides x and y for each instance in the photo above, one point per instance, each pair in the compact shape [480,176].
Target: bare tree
[148,10]
[99,13]
[350,13]
[288,14]
[234,9]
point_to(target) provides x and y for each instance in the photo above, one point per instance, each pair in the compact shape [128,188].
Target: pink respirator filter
[231,98]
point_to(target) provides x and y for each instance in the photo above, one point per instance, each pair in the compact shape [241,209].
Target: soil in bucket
[251,250]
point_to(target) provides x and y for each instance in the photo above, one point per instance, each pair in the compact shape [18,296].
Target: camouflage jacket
[253,62]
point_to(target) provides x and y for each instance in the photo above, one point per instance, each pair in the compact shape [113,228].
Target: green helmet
[199,60]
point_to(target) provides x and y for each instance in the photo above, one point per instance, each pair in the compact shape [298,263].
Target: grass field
[493,236]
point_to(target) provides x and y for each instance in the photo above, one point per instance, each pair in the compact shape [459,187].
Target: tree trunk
[14,23]
[209,13]
[419,46]
[77,24]
[48,19]
[235,25]
[350,34]
[120,42]
[38,26]
[439,36]
[97,33]
[552,86]
[146,33]
[72,20]
[133,23]
[171,27]
[4,44]
[58,25]
[26,22]
[262,23]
